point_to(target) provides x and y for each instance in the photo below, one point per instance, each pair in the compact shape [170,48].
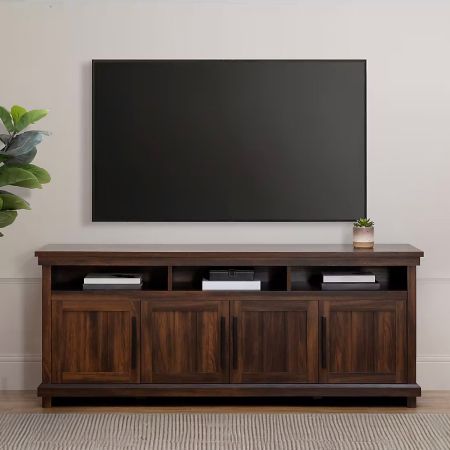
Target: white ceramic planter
[363,237]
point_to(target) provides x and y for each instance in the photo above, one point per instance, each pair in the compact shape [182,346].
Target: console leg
[46,402]
[411,402]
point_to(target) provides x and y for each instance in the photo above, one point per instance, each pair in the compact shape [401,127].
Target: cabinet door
[185,341]
[95,339]
[274,341]
[363,341]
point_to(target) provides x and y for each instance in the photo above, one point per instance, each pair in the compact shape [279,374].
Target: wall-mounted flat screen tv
[229,140]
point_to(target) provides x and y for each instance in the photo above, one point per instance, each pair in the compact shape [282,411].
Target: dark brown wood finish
[172,339]
[363,341]
[257,254]
[221,296]
[230,390]
[289,278]
[46,324]
[169,278]
[184,341]
[95,340]
[46,331]
[411,324]
[274,342]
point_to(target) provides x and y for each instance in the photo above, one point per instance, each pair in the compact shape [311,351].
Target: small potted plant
[363,233]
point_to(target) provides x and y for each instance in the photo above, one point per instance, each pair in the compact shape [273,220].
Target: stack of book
[231,280]
[345,281]
[96,281]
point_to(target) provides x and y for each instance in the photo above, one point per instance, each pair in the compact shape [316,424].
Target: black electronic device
[351,286]
[231,275]
[229,140]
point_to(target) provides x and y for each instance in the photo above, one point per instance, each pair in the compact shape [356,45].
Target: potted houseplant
[363,233]
[17,151]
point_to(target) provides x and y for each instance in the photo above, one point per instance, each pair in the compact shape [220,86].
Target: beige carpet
[224,431]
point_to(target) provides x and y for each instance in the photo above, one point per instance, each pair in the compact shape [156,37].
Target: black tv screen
[229,140]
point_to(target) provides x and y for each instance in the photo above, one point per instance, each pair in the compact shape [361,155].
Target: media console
[171,339]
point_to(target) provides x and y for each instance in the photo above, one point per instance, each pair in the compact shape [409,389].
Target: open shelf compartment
[70,278]
[189,278]
[273,278]
[309,278]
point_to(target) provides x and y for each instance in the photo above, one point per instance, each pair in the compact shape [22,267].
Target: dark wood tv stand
[171,339]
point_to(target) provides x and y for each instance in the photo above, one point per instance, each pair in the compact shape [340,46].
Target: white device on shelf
[342,277]
[113,278]
[254,285]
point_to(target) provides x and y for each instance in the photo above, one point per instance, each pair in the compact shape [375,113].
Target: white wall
[46,51]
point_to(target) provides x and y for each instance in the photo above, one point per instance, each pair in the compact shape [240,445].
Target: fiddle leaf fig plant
[18,148]
[363,222]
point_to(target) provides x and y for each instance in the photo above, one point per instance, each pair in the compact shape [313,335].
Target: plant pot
[363,237]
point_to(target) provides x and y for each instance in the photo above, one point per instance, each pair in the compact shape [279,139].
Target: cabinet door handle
[222,343]
[235,342]
[133,343]
[323,326]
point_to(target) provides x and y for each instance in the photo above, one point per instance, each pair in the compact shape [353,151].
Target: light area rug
[218,431]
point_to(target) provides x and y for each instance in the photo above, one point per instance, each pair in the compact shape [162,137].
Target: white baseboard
[20,372]
[19,358]
[433,372]
[20,280]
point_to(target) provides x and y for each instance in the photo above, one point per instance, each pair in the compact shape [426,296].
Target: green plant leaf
[22,159]
[17,176]
[25,142]
[7,218]
[5,138]
[17,112]
[12,201]
[6,118]
[1,203]
[30,117]
[364,222]
[3,157]
[30,183]
[22,148]
[41,174]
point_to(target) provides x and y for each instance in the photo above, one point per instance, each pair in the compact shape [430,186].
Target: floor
[430,402]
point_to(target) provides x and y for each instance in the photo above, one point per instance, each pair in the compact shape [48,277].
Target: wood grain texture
[411,331]
[182,341]
[231,390]
[169,278]
[276,341]
[46,324]
[238,295]
[365,341]
[183,249]
[289,278]
[46,402]
[288,254]
[92,341]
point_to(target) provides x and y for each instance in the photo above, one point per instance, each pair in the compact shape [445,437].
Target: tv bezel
[93,165]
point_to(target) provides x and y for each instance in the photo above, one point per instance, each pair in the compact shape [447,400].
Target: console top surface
[161,249]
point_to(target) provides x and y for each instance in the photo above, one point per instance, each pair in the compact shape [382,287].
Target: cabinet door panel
[363,341]
[95,340]
[173,341]
[274,341]
[185,341]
